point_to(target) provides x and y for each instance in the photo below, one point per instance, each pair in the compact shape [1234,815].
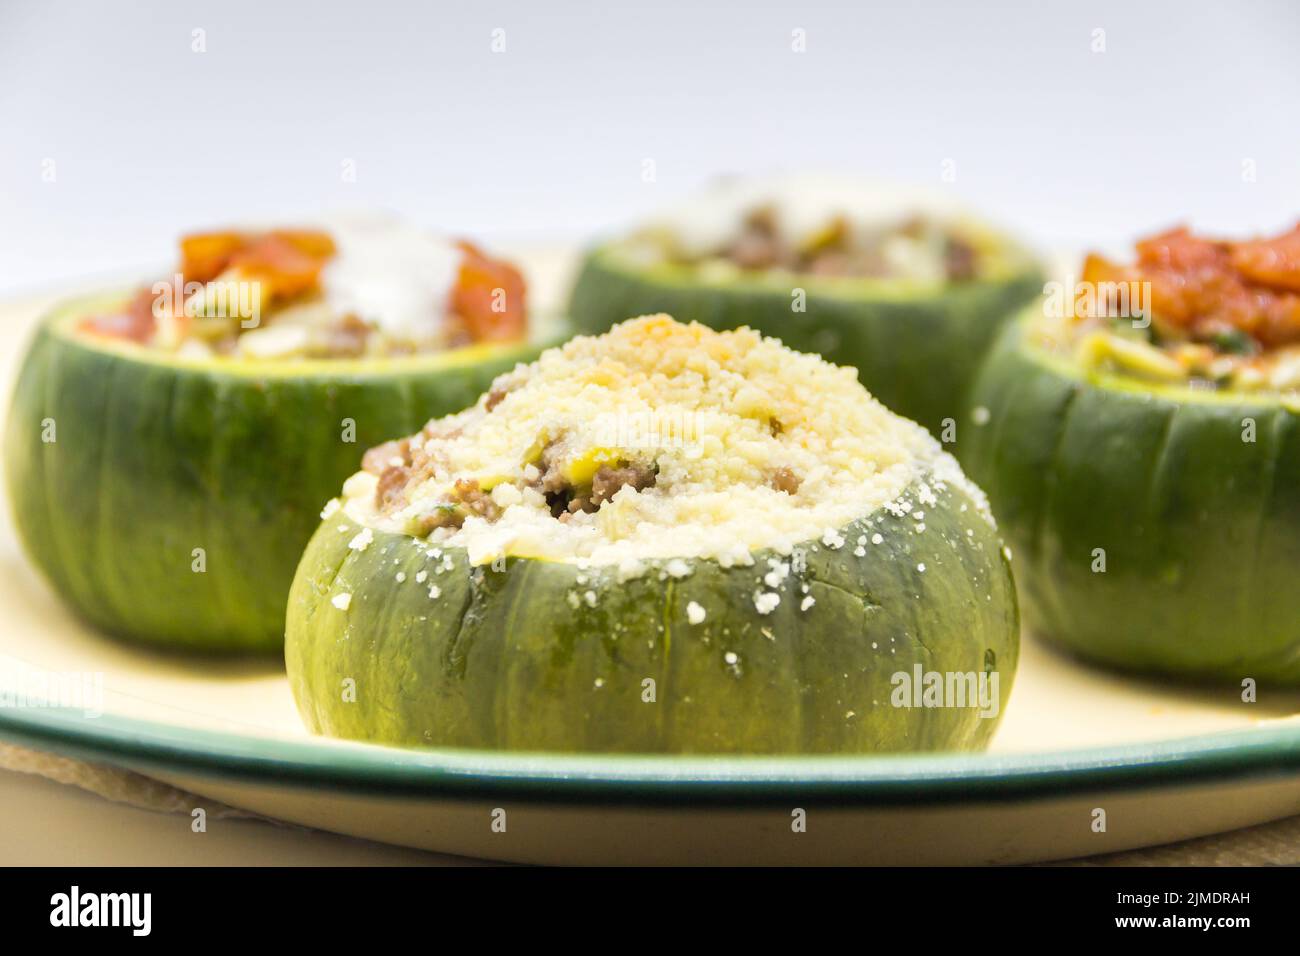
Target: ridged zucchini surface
[529,654]
[168,500]
[1154,529]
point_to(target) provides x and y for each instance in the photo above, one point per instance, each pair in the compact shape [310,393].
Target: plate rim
[1269,750]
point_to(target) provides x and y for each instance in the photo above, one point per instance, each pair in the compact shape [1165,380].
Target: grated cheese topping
[734,443]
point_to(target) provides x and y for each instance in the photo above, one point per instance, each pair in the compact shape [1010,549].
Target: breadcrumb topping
[655,441]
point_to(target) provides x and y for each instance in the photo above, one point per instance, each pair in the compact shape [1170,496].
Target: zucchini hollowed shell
[1197,527]
[916,346]
[177,495]
[538,655]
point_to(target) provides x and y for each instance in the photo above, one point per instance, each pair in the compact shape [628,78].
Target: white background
[547,139]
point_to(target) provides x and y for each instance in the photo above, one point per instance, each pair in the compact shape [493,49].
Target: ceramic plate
[1084,762]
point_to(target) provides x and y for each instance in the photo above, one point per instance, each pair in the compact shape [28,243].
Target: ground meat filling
[836,249]
[475,500]
[551,479]
[390,492]
[608,481]
[467,498]
[402,466]
[346,338]
[759,244]
[390,453]
[783,479]
[564,499]
[391,461]
[960,260]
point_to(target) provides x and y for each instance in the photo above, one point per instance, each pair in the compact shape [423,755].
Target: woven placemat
[113,783]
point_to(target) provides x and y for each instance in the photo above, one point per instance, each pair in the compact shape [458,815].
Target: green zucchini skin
[503,659]
[1200,529]
[153,460]
[917,352]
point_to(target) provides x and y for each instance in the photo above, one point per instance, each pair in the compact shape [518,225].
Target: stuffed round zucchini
[1139,439]
[167,453]
[900,285]
[663,540]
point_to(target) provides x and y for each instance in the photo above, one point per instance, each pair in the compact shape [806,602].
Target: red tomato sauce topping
[1203,288]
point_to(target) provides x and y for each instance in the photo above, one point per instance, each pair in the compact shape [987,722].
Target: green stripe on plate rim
[1271,750]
